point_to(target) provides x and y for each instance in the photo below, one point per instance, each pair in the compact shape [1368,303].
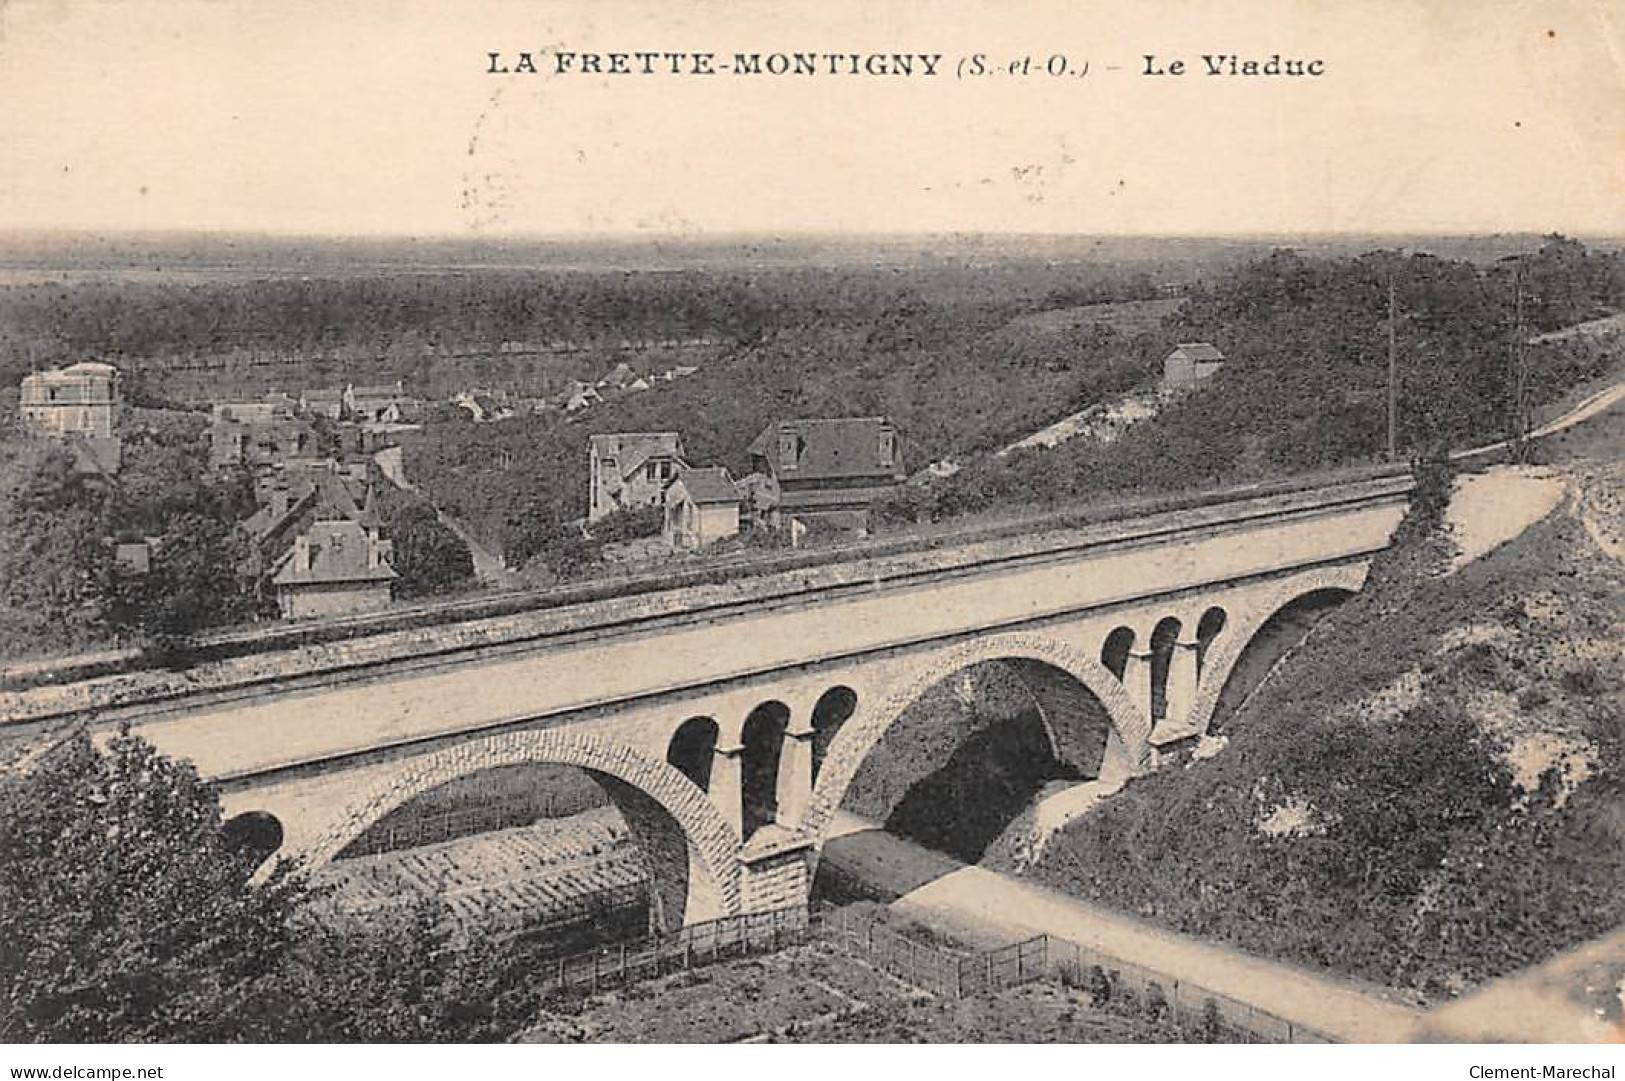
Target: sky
[380,118]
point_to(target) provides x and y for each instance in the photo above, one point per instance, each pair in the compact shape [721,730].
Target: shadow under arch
[1068,686]
[693,749]
[689,848]
[256,834]
[1228,648]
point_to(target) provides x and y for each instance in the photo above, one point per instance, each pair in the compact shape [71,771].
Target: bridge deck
[268,713]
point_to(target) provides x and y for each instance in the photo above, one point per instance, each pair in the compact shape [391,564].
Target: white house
[702,507]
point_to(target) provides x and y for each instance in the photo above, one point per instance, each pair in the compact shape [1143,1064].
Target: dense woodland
[1305,389]
[59,584]
[61,587]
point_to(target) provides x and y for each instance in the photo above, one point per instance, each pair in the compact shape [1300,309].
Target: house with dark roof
[827,471]
[630,470]
[621,377]
[253,440]
[702,507]
[334,568]
[1189,364]
[384,404]
[578,396]
[322,403]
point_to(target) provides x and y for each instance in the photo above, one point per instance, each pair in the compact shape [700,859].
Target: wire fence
[1191,1010]
[635,961]
[941,970]
[953,973]
[1188,1005]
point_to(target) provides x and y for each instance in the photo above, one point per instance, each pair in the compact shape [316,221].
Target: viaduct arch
[1068,686]
[689,848]
[1232,640]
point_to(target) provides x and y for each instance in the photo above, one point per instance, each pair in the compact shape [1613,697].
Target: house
[133,557]
[81,399]
[389,404]
[245,412]
[481,407]
[1189,364]
[578,396]
[254,442]
[702,507]
[828,471]
[297,492]
[622,377]
[322,403]
[283,404]
[631,469]
[334,568]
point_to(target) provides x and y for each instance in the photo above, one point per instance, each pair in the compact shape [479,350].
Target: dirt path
[985,909]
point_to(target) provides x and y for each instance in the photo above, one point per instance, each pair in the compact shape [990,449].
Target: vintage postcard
[956,522]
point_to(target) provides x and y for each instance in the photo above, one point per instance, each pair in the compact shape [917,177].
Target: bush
[1100,987]
[1155,1005]
[1210,1028]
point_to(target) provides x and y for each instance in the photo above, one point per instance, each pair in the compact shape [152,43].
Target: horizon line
[759,235]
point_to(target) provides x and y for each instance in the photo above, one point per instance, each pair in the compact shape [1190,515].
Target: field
[818,993]
[1127,317]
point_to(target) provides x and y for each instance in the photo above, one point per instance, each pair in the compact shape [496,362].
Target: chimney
[301,552]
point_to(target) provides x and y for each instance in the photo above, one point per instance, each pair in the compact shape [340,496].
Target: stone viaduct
[727,724]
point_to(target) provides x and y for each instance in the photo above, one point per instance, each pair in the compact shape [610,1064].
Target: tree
[55,562]
[128,916]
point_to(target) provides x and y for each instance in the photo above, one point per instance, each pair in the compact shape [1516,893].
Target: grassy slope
[1401,739]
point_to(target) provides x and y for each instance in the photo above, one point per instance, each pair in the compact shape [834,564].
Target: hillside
[1431,791]
[963,371]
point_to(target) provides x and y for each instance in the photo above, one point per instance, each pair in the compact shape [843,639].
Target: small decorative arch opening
[763,742]
[693,748]
[1164,638]
[254,835]
[833,709]
[1114,653]
[1207,629]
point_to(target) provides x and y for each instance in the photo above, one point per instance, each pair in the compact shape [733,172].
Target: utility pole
[1517,375]
[1393,367]
[1520,427]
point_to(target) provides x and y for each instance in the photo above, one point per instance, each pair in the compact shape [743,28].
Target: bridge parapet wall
[152,692]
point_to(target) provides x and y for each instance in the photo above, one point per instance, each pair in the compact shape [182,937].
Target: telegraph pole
[1393,367]
[1520,429]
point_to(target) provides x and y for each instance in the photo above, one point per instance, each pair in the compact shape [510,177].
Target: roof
[1201,351]
[709,485]
[632,449]
[324,395]
[339,552]
[837,447]
[620,375]
[74,373]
